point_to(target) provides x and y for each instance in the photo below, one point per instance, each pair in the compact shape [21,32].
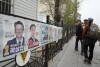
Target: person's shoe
[89,61]
[86,60]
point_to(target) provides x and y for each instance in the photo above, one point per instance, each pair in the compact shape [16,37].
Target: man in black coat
[79,30]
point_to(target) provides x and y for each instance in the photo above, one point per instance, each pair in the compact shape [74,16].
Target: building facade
[24,8]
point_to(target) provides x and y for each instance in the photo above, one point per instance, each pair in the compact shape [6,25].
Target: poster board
[15,35]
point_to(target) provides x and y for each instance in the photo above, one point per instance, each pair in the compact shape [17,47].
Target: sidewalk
[68,57]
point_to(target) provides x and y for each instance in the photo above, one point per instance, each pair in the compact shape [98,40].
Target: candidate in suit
[32,42]
[16,44]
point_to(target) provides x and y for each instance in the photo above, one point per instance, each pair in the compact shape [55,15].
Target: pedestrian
[89,37]
[79,30]
[84,26]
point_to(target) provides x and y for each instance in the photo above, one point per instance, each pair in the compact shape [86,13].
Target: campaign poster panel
[53,34]
[44,34]
[13,39]
[50,33]
[56,34]
[1,35]
[32,34]
[59,32]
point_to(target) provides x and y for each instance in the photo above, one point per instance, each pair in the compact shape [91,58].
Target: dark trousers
[89,44]
[76,43]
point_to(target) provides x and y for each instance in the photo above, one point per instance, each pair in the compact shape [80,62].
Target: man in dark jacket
[79,30]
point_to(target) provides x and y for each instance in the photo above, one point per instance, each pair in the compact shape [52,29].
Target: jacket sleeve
[84,31]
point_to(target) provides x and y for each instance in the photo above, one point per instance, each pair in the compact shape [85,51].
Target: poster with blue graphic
[44,34]
[13,39]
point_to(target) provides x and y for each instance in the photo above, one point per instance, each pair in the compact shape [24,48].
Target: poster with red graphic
[32,34]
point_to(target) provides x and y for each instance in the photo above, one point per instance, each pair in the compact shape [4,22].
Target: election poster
[50,33]
[56,34]
[13,39]
[32,34]
[59,32]
[44,34]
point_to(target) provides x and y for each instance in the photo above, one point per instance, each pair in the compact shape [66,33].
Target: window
[5,6]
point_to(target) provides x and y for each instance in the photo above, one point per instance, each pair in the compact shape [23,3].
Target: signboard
[23,58]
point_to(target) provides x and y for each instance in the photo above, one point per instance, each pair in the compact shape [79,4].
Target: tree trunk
[57,16]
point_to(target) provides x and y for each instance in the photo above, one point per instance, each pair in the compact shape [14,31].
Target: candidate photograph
[33,41]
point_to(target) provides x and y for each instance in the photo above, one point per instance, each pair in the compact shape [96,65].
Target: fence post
[46,47]
[62,35]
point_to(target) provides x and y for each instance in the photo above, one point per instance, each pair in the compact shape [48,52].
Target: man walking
[79,30]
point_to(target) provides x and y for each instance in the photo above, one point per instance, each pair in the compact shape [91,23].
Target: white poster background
[1,35]
[8,29]
[8,33]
